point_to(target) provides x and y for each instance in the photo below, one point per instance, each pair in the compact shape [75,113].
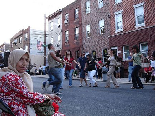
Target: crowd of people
[16,86]
[94,67]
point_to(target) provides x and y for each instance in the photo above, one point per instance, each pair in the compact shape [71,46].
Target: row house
[5,47]
[95,26]
[72,29]
[55,29]
[31,40]
[132,23]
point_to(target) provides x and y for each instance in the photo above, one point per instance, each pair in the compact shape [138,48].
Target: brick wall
[96,42]
[128,14]
[73,23]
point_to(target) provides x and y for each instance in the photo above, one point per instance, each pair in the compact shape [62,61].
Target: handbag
[44,109]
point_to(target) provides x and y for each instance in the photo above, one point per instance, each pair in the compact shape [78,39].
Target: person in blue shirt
[130,66]
[82,61]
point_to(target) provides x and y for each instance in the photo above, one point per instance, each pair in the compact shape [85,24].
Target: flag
[39,45]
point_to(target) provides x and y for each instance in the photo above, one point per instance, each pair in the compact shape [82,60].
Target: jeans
[63,73]
[57,80]
[135,78]
[130,69]
[69,75]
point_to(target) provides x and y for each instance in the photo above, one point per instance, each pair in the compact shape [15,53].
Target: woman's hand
[54,97]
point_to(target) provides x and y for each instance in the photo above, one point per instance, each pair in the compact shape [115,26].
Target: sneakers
[43,85]
[58,93]
[80,85]
[47,84]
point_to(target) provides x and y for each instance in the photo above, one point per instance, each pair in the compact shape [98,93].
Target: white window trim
[124,54]
[87,31]
[117,2]
[118,30]
[141,47]
[99,3]
[115,48]
[136,6]
[88,8]
[101,26]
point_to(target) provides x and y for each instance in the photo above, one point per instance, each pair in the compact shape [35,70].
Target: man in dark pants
[82,61]
[136,58]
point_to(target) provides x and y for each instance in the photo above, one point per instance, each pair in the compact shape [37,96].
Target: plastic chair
[5,108]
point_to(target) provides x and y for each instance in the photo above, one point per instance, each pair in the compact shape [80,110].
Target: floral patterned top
[15,94]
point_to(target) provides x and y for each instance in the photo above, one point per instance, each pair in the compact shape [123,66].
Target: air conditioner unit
[65,21]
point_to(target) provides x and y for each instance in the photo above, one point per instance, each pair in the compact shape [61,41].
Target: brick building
[95,26]
[72,28]
[132,23]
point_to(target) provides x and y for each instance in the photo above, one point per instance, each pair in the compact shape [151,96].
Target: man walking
[55,69]
[82,61]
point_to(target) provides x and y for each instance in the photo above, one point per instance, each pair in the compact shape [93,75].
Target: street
[100,101]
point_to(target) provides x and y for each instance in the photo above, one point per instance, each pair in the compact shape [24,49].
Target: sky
[16,15]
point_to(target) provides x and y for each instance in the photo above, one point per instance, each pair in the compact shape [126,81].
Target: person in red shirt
[69,66]
[147,73]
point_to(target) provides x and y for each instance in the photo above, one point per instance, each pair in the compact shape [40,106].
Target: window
[26,36]
[144,49]
[139,14]
[59,41]
[51,26]
[87,7]
[118,1]
[20,39]
[76,33]
[66,18]
[52,40]
[58,22]
[88,31]
[118,22]
[76,13]
[100,3]
[66,36]
[125,52]
[101,26]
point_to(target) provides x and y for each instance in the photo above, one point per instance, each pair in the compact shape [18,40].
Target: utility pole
[44,39]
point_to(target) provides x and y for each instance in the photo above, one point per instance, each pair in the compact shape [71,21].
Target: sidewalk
[119,80]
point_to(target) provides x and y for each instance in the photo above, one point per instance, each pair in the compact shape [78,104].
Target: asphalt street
[100,101]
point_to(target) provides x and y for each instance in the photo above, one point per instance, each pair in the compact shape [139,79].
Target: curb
[122,80]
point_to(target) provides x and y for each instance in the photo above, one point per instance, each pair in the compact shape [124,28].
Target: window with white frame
[20,39]
[101,26]
[88,31]
[66,18]
[87,7]
[76,13]
[100,3]
[52,40]
[144,49]
[59,41]
[139,14]
[76,33]
[51,26]
[66,36]
[125,52]
[118,1]
[118,21]
[58,22]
